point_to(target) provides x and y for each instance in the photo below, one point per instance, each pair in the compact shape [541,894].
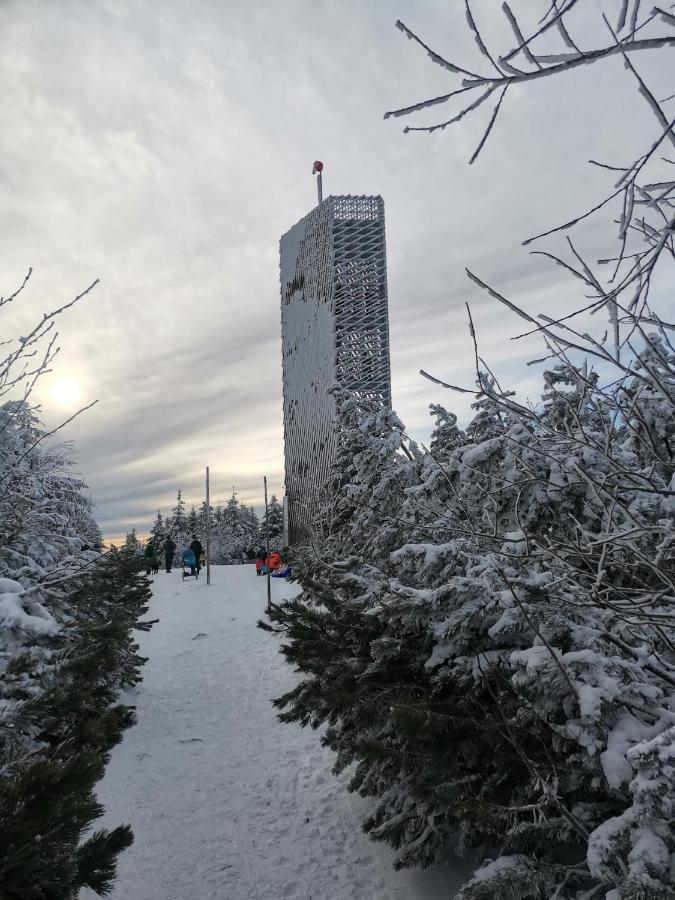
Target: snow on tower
[335,330]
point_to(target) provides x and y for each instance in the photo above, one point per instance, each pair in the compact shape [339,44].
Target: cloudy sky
[164,147]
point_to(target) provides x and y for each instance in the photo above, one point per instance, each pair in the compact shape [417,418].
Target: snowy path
[226,803]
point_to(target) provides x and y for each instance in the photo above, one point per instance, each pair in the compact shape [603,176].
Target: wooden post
[208,531]
[267,550]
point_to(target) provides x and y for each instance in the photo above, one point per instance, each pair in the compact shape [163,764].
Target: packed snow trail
[226,802]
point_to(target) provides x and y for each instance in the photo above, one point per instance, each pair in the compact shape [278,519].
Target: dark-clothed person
[197,549]
[169,548]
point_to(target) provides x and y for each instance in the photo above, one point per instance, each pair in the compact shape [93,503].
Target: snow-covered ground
[226,802]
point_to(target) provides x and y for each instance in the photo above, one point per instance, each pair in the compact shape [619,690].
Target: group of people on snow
[273,563]
[263,562]
[151,555]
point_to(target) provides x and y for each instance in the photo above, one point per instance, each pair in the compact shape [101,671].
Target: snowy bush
[66,649]
[488,632]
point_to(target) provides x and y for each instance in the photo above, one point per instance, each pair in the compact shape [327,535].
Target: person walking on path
[197,549]
[169,548]
[151,559]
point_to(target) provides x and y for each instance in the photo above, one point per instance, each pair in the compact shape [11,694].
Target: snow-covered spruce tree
[618,561]
[452,640]
[201,519]
[177,522]
[158,532]
[66,657]
[486,629]
[222,541]
[178,526]
[66,615]
[232,527]
[251,528]
[275,518]
[192,522]
[234,531]
[366,673]
[132,545]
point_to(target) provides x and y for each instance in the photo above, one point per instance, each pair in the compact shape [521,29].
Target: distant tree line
[235,529]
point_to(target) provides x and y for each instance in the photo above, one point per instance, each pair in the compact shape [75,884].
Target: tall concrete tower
[335,330]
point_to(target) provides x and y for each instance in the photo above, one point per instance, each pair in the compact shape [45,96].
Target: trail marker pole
[208,532]
[267,550]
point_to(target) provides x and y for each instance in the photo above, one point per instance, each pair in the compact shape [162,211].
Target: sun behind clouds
[66,393]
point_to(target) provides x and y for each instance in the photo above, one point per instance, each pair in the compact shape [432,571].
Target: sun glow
[66,393]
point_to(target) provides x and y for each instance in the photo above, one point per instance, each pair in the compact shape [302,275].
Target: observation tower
[335,330]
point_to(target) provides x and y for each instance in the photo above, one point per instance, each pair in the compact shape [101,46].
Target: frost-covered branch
[646,198]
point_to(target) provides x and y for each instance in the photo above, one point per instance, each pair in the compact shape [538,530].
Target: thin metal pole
[319,187]
[267,549]
[208,531]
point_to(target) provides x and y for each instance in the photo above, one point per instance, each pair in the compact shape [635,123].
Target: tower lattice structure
[335,330]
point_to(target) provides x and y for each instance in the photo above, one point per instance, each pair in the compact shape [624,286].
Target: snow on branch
[645,195]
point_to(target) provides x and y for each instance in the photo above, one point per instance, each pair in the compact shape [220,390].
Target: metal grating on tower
[335,329]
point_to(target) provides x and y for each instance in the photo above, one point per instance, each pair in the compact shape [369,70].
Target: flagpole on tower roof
[317,170]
